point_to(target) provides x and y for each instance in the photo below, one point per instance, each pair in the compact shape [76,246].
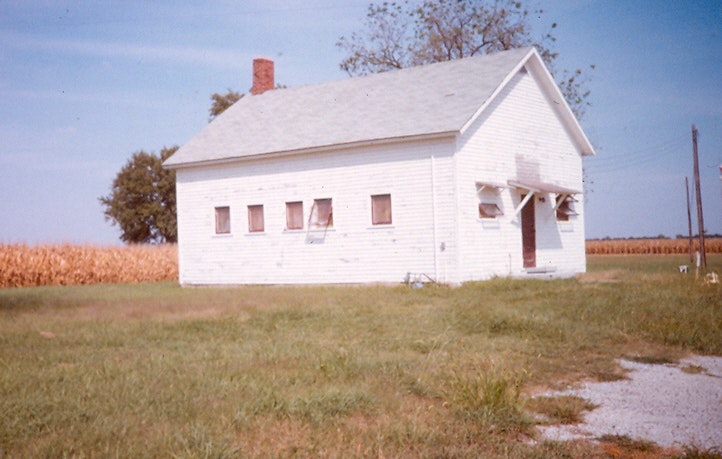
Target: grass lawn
[155,370]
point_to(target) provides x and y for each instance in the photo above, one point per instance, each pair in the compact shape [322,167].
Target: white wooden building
[456,171]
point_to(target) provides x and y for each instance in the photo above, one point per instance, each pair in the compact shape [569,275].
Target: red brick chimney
[262,75]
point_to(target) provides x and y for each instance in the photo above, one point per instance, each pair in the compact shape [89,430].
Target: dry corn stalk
[22,265]
[649,246]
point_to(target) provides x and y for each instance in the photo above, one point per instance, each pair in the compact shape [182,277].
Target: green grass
[159,371]
[562,409]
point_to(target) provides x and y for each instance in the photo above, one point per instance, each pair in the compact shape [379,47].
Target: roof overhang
[318,149]
[537,68]
[533,63]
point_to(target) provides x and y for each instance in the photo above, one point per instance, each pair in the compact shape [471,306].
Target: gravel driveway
[660,403]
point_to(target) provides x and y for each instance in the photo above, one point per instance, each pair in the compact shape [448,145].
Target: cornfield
[649,246]
[66,264]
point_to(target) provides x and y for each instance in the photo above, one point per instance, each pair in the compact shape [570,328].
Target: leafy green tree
[142,201]
[221,102]
[404,34]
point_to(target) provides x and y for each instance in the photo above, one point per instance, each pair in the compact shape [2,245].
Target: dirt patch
[661,403]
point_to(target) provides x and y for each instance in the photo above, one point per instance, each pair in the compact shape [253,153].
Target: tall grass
[67,264]
[491,396]
[154,370]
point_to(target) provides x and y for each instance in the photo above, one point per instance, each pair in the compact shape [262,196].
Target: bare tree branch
[404,34]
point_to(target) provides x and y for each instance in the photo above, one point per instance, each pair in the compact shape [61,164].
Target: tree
[221,102]
[405,34]
[142,199]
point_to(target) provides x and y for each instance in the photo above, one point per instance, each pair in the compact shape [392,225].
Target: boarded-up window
[566,209]
[223,220]
[489,210]
[255,219]
[294,215]
[381,209]
[321,214]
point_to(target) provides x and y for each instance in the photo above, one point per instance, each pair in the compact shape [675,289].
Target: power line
[653,154]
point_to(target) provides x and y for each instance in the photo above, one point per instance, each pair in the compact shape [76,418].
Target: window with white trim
[381,209]
[294,215]
[566,209]
[489,210]
[488,204]
[223,220]
[321,214]
[255,219]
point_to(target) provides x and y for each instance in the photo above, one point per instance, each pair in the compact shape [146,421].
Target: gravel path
[660,403]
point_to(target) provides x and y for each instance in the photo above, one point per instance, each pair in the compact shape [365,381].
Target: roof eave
[317,149]
[535,64]
[558,101]
[496,91]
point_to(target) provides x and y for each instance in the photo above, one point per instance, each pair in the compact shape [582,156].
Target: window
[489,210]
[223,220]
[566,209]
[321,214]
[294,215]
[255,219]
[381,209]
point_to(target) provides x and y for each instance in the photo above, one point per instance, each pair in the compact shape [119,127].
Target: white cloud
[190,55]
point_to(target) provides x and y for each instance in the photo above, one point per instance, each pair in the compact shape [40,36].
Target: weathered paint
[353,251]
[518,137]
[436,229]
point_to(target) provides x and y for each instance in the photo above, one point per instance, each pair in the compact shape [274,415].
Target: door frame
[528,232]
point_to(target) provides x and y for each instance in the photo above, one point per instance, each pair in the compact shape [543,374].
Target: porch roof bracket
[526,199]
[561,197]
[523,202]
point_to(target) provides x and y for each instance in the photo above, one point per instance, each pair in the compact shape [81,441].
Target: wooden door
[528,233]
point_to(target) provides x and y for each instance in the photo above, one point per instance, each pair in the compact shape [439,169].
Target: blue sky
[84,84]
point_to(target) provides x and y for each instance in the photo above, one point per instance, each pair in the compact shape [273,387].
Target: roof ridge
[421,67]
[406,103]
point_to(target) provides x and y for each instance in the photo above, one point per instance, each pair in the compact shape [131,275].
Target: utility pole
[698,191]
[689,221]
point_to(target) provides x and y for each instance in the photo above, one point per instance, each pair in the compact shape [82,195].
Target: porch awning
[534,186]
[483,185]
[542,187]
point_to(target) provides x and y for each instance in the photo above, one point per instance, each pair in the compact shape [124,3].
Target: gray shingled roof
[417,101]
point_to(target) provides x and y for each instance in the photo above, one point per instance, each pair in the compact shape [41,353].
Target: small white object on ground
[659,403]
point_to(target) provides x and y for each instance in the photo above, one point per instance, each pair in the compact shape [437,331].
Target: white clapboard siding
[427,136]
[353,251]
[518,137]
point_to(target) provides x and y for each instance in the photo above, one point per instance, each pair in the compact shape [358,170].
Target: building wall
[418,175]
[519,137]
